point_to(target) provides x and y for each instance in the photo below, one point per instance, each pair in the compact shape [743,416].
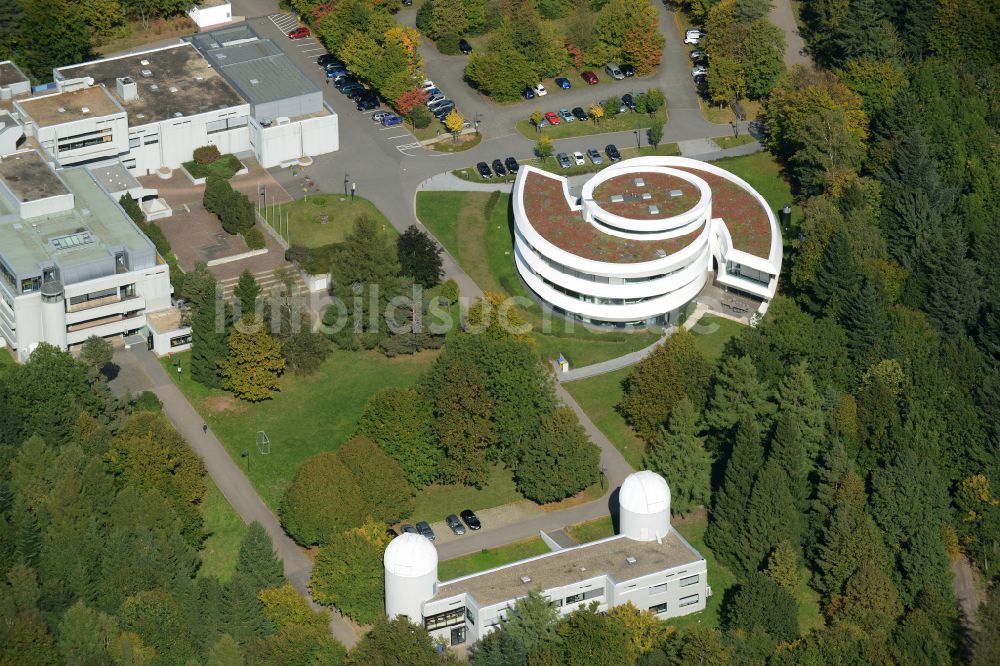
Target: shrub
[133,209]
[147,402]
[255,238]
[449,291]
[420,117]
[206,154]
[322,501]
[448,43]
[384,490]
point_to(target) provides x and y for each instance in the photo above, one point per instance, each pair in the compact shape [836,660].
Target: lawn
[490,558]
[311,414]
[226,166]
[449,145]
[437,501]
[712,333]
[305,225]
[763,172]
[225,530]
[483,247]
[592,530]
[623,122]
[733,141]
[598,396]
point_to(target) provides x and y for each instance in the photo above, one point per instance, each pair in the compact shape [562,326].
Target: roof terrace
[648,195]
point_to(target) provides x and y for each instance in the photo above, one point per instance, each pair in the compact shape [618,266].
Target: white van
[613,71]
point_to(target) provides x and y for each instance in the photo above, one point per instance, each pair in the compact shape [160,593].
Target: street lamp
[736,128]
[245,453]
[347,179]
[477,124]
[638,146]
[604,473]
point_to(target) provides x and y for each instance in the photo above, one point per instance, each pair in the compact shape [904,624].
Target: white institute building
[151,110]
[642,239]
[73,264]
[647,563]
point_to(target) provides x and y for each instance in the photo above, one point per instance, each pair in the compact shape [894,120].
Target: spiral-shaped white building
[642,239]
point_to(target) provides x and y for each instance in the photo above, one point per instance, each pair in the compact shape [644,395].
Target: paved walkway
[142,371]
[783,15]
[449,182]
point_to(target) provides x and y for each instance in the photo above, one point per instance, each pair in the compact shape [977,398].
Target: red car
[589,77]
[553,118]
[299,33]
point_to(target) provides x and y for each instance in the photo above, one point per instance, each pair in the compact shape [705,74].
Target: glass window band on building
[690,580]
[659,608]
[688,601]
[446,619]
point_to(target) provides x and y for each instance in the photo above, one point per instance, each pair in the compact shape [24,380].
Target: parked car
[427,85]
[346,81]
[578,158]
[443,110]
[628,101]
[389,121]
[357,93]
[552,118]
[425,529]
[540,90]
[455,524]
[612,152]
[580,113]
[439,103]
[379,115]
[590,78]
[351,88]
[701,80]
[693,35]
[698,54]
[512,167]
[566,115]
[528,93]
[484,170]
[335,73]
[613,71]
[465,47]
[435,99]
[408,529]
[470,518]
[700,70]
[328,59]
[595,156]
[299,32]
[498,169]
[368,103]
[563,159]
[627,70]
[434,91]
[563,83]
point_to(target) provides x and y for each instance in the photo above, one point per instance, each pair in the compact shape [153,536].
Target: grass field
[592,530]
[483,247]
[225,531]
[437,501]
[226,166]
[490,558]
[733,141]
[306,228]
[712,333]
[309,415]
[623,122]
[598,396]
[764,174]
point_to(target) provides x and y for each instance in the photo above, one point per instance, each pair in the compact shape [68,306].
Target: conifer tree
[869,600]
[737,393]
[783,567]
[837,279]
[728,514]
[244,620]
[771,517]
[208,347]
[797,395]
[246,292]
[951,295]
[786,450]
[678,454]
[867,324]
[257,560]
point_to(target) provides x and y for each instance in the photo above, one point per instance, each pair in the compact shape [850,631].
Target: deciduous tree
[419,257]
[348,572]
[559,461]
[399,420]
[321,481]
[386,495]
[254,366]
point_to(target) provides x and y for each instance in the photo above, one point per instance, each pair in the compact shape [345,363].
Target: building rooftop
[114,177]
[69,106]
[29,178]
[564,567]
[78,239]
[647,195]
[745,218]
[551,216]
[172,81]
[9,73]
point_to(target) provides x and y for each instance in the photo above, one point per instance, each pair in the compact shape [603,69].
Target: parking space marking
[398,136]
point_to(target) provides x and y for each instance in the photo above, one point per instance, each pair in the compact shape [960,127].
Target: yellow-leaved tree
[254,364]
[596,112]
[454,121]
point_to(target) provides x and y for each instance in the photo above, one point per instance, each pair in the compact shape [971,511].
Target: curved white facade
[410,562]
[642,239]
[644,506]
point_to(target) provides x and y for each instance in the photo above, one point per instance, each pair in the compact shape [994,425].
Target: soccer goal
[263,443]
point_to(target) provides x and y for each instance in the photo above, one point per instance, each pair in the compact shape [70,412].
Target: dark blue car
[389,121]
[334,72]
[563,83]
[528,93]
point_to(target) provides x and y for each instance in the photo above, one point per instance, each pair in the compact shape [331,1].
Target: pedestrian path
[449,182]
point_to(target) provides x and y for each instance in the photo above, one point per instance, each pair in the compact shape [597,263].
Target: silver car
[595,156]
[563,159]
[455,524]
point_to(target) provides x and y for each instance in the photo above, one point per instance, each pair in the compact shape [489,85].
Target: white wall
[180,136]
[49,137]
[280,144]
[211,16]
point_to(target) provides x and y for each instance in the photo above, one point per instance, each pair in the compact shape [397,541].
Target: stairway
[266,280]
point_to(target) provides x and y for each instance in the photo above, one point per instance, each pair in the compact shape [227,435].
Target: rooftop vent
[126,88]
[639,182]
[617,198]
[154,87]
[146,73]
[654,210]
[85,109]
[178,114]
[676,193]
[661,253]
[254,82]
[140,115]
[173,89]
[62,109]
[525,579]
[647,195]
[631,560]
[144,62]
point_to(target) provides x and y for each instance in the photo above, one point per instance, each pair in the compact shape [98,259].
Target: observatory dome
[644,492]
[410,556]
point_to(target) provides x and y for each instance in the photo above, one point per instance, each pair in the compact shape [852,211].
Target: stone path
[783,15]
[142,371]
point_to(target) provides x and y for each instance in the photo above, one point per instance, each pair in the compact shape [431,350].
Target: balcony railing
[96,302]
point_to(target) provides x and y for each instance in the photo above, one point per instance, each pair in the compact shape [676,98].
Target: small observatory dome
[644,506]
[411,562]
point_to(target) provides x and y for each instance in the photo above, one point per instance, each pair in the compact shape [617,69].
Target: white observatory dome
[410,575]
[644,506]
[410,556]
